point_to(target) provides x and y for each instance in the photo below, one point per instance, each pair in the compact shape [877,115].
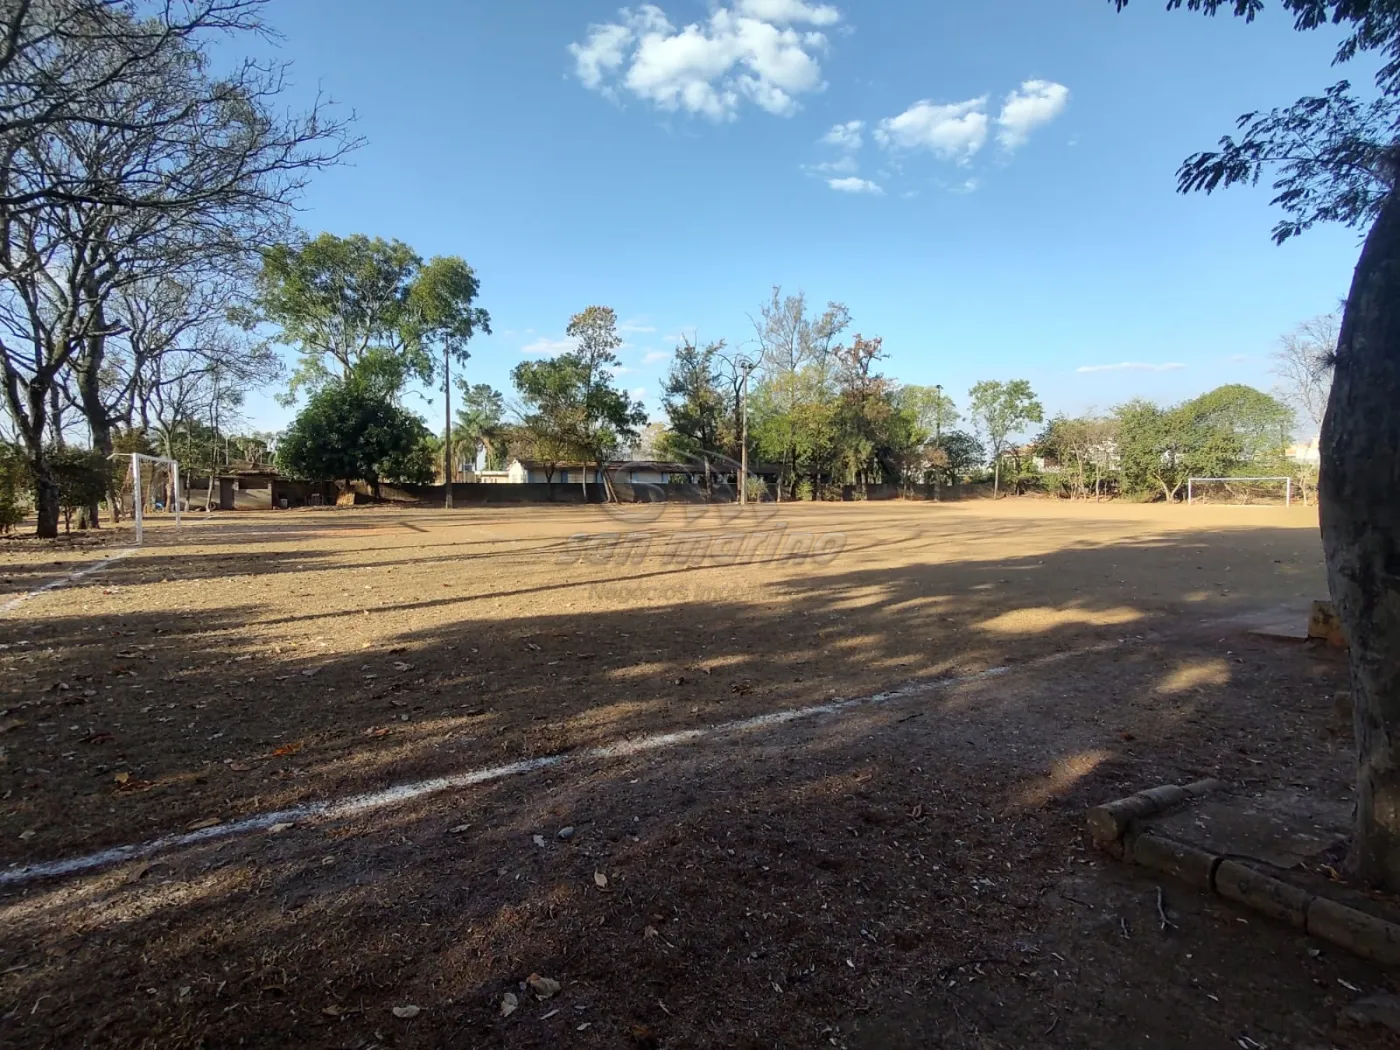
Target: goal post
[155,483]
[1239,491]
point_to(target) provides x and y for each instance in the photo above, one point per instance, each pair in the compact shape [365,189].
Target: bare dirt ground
[909,872]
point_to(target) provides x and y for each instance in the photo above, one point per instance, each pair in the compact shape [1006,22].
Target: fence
[480,493]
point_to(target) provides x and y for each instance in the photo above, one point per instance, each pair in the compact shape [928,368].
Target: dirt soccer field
[798,775]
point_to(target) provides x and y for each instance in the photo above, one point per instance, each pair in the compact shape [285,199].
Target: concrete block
[1324,624]
[1187,864]
[1362,934]
[1262,893]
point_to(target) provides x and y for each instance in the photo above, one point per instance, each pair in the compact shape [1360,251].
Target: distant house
[1307,452]
[631,472]
[1044,464]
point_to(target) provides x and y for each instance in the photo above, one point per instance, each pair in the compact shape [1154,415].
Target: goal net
[1241,492]
[152,487]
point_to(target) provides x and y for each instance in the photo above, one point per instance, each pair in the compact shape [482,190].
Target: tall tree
[1333,158]
[136,163]
[934,410]
[694,401]
[795,349]
[571,401]
[442,312]
[349,431]
[337,300]
[1085,447]
[1002,410]
[1261,426]
[867,415]
[954,454]
[479,424]
[1303,366]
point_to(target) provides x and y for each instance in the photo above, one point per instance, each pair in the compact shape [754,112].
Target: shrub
[15,483]
[82,476]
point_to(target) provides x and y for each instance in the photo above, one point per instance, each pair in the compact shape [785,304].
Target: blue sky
[1004,208]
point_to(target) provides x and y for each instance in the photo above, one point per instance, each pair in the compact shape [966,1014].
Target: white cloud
[846,136]
[601,54]
[855,185]
[785,12]
[637,393]
[748,52]
[637,325]
[1034,103]
[956,131]
[654,356]
[840,166]
[1133,366]
[546,347]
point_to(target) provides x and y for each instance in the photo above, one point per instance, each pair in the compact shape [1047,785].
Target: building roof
[660,466]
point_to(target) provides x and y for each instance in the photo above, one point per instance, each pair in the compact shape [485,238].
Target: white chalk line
[64,581]
[353,805]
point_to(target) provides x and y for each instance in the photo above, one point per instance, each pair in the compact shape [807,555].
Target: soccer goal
[152,486]
[1241,492]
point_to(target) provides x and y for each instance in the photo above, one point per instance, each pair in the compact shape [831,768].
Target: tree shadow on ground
[901,874]
[192,704]
[904,873]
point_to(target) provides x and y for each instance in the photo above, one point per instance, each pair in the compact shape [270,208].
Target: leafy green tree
[348,431]
[955,454]
[1085,448]
[479,424]
[570,400]
[1155,448]
[335,299]
[535,438]
[344,301]
[1002,410]
[796,410]
[695,403]
[1261,425]
[1332,158]
[442,312]
[934,410]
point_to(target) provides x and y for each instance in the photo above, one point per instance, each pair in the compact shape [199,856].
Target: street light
[937,439]
[447,472]
[746,367]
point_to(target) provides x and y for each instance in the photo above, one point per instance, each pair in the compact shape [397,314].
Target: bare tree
[60,58]
[156,170]
[1303,366]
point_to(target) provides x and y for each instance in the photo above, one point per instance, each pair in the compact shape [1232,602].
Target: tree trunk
[996,477]
[88,367]
[45,499]
[1359,496]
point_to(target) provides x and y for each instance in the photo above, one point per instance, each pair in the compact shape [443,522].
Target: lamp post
[747,367]
[938,439]
[447,464]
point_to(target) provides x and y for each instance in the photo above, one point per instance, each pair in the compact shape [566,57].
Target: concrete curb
[1358,932]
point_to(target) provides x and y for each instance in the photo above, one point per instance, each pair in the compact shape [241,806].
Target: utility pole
[449,475]
[748,367]
[447,420]
[938,440]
